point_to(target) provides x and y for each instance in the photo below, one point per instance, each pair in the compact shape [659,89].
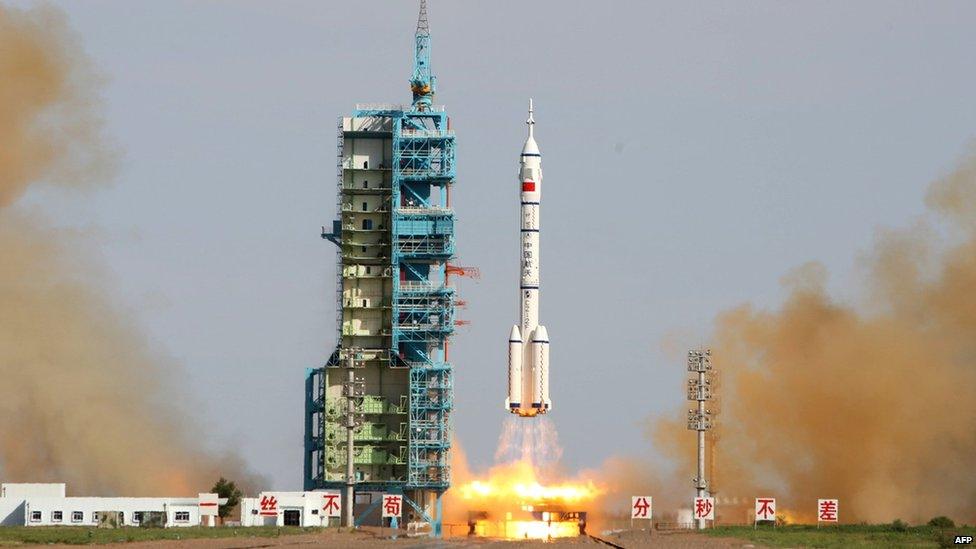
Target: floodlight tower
[700,419]
[353,391]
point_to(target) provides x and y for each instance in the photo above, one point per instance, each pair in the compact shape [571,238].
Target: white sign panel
[827,510]
[640,507]
[208,505]
[704,509]
[765,509]
[392,505]
[331,505]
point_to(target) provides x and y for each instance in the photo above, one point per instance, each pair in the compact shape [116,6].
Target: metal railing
[418,286]
[426,210]
[394,107]
[427,133]
[434,246]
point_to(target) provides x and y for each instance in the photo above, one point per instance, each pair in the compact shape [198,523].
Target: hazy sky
[694,153]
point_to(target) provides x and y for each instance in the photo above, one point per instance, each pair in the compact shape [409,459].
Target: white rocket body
[528,342]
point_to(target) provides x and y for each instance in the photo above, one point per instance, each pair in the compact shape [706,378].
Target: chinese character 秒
[703,507]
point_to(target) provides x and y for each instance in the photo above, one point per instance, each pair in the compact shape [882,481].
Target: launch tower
[388,385]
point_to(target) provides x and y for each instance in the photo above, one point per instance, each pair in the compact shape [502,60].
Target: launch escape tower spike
[395,310]
[423,83]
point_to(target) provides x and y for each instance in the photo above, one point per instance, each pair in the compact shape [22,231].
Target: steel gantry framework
[395,310]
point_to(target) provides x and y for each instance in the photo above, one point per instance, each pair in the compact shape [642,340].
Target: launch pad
[528,522]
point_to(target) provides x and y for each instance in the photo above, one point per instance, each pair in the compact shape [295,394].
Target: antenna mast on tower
[423,83]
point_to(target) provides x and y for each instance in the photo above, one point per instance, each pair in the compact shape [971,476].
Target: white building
[291,509]
[13,499]
[46,505]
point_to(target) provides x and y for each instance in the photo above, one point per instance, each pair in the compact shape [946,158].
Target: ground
[726,536]
[847,535]
[241,538]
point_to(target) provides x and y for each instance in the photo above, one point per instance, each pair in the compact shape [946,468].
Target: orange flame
[520,505]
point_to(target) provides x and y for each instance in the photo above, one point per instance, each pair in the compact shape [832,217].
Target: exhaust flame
[528,529]
[523,497]
[519,482]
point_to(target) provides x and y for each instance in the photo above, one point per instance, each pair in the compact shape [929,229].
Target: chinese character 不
[765,509]
[331,504]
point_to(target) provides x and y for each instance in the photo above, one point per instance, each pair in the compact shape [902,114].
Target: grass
[845,535]
[77,535]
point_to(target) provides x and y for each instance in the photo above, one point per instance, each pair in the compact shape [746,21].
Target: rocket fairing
[528,342]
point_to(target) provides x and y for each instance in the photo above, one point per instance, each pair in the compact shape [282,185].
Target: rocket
[528,342]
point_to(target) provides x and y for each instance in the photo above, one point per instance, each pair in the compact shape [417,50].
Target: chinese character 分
[641,507]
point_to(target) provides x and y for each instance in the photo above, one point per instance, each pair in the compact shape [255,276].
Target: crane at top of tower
[423,83]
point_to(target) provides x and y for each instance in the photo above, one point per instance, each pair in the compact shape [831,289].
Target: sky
[694,153]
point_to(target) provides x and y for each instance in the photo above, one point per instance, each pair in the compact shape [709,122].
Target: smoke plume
[84,400]
[871,403]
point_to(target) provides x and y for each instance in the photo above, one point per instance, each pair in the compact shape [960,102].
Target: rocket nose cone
[514,335]
[540,334]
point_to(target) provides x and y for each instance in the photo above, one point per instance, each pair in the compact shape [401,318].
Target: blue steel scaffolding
[400,240]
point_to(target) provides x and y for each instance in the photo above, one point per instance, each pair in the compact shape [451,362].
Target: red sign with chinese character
[704,508]
[392,505]
[827,510]
[640,507]
[269,505]
[332,505]
[765,509]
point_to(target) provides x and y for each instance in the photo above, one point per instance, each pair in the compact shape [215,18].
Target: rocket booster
[528,342]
